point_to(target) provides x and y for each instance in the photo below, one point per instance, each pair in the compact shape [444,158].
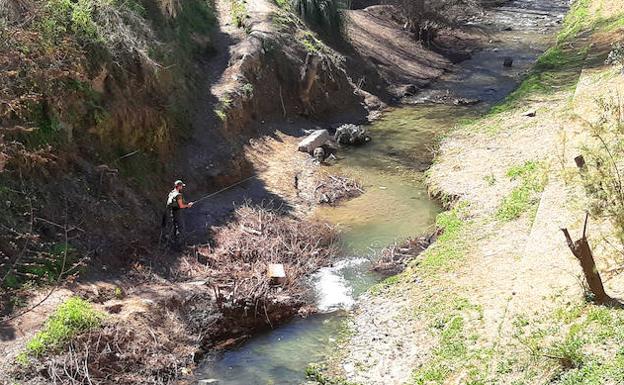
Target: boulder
[508,61]
[319,154]
[210,381]
[316,139]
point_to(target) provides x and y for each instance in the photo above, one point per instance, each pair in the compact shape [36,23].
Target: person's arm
[183,205]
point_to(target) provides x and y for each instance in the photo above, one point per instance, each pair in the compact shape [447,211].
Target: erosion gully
[395,205]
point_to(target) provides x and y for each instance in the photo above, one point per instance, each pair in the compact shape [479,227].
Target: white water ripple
[332,289]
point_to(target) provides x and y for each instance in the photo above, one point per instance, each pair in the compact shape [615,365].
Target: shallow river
[396,205]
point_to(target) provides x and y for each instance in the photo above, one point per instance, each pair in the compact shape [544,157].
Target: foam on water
[332,289]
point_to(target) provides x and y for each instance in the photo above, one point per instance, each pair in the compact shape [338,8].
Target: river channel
[395,205]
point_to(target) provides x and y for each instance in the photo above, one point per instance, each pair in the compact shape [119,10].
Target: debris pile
[335,189]
[124,353]
[394,259]
[258,237]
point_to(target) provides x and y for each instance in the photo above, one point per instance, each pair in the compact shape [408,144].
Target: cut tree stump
[582,251]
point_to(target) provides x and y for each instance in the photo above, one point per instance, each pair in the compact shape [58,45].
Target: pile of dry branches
[335,189]
[259,236]
[394,259]
[145,349]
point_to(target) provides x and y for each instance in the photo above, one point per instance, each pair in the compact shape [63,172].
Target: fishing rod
[162,227]
[225,188]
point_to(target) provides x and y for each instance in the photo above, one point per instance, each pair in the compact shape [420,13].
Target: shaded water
[395,205]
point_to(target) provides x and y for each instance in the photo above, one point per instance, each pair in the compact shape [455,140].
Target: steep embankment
[499,297]
[92,108]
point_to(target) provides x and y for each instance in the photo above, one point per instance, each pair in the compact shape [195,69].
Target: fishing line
[225,188]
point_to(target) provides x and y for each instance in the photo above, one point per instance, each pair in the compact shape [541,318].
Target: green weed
[310,42]
[532,178]
[448,322]
[449,247]
[490,179]
[247,89]
[72,317]
[283,4]
[568,352]
[220,114]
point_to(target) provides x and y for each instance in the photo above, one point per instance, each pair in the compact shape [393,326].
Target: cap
[178,182]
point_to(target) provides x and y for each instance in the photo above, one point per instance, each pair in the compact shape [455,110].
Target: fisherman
[175,203]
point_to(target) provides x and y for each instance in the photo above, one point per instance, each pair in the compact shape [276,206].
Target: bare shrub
[425,17]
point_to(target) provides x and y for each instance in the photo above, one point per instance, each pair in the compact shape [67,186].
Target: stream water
[396,205]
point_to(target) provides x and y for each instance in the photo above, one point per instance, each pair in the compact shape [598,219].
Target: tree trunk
[582,252]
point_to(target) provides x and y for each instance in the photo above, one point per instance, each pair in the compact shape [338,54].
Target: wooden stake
[582,251]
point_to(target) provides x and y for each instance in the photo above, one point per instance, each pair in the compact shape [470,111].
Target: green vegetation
[532,178]
[575,21]
[602,174]
[580,342]
[44,266]
[71,318]
[450,245]
[247,89]
[456,345]
[310,42]
[239,12]
[324,15]
[69,16]
[490,179]
[224,105]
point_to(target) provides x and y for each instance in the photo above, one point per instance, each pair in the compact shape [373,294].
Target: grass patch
[310,42]
[532,177]
[580,343]
[560,66]
[450,245]
[575,21]
[456,345]
[71,318]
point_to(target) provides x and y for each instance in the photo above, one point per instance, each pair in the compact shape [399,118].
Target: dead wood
[394,259]
[582,251]
[335,189]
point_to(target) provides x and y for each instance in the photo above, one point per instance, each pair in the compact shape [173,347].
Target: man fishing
[175,205]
